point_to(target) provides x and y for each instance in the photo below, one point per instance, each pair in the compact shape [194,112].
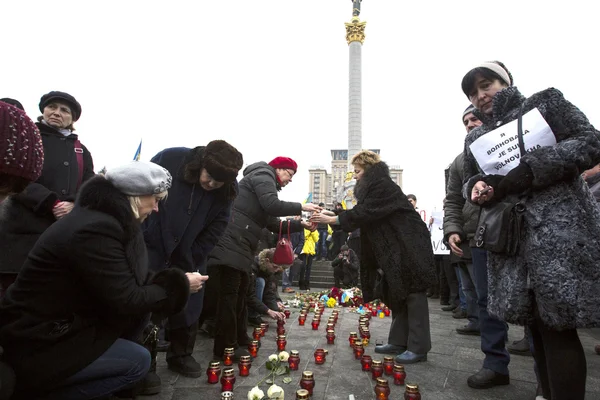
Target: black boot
[179,356]
[151,384]
[301,285]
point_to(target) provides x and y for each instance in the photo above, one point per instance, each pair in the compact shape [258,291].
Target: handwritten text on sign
[437,234]
[497,152]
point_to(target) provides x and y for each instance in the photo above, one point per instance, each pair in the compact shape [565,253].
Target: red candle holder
[307,382]
[287,313]
[387,312]
[330,336]
[357,341]
[388,365]
[301,319]
[302,394]
[228,356]
[281,342]
[330,326]
[280,322]
[227,380]
[320,356]
[368,315]
[280,330]
[399,374]
[358,351]
[253,348]
[366,337]
[382,389]
[376,369]
[366,362]
[315,324]
[257,334]
[294,360]
[412,392]
[374,312]
[244,365]
[352,337]
[213,372]
[264,328]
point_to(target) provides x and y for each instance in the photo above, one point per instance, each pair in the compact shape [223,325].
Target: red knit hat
[284,162]
[21,149]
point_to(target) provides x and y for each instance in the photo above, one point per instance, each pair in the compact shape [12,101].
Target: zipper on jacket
[191,199]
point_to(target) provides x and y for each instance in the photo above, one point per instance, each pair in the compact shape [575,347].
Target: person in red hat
[229,264]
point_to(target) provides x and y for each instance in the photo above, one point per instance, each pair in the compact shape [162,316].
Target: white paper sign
[437,234]
[497,152]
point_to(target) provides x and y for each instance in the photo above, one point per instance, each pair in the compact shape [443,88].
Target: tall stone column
[355,36]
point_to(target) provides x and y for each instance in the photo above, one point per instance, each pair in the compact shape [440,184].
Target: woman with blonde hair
[396,261]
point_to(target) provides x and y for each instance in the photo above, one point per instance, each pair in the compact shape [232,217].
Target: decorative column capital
[355,30]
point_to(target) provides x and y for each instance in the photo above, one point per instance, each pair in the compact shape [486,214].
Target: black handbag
[500,226]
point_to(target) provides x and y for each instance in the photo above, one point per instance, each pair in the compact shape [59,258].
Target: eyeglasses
[291,174]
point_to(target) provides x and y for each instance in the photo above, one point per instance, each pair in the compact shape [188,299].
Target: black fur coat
[393,237]
[84,284]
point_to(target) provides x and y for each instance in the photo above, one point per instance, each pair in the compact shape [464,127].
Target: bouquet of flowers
[278,367]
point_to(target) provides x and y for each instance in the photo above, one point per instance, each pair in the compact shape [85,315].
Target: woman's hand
[196,281]
[63,208]
[320,218]
[275,314]
[481,193]
[311,226]
[310,207]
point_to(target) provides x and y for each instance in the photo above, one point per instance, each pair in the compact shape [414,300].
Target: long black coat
[83,286]
[27,215]
[393,237]
[256,207]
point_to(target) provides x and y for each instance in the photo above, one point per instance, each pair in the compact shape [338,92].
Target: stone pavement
[442,377]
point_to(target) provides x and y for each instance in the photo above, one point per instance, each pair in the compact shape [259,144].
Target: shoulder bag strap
[280,229]
[288,226]
[520,131]
[79,154]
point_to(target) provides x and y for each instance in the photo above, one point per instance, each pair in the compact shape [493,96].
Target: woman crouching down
[84,294]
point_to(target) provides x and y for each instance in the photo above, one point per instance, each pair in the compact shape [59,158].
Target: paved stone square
[442,377]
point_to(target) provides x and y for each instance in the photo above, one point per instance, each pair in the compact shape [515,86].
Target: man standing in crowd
[322,245]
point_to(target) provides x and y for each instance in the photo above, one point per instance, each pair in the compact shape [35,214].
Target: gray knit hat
[139,178]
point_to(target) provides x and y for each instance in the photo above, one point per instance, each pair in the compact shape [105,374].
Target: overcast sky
[271,76]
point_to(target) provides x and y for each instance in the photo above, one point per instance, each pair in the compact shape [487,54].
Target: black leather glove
[516,181]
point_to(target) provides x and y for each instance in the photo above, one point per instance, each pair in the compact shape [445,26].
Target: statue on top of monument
[356,8]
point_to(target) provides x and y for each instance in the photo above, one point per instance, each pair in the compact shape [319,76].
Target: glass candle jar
[228,356]
[287,313]
[387,312]
[253,348]
[315,324]
[358,350]
[382,389]
[376,369]
[388,365]
[294,360]
[227,380]
[302,394]
[301,319]
[330,326]
[307,382]
[352,337]
[280,322]
[412,392]
[320,355]
[368,315]
[330,336]
[365,362]
[366,337]
[227,396]
[399,374]
[280,330]
[281,342]
[358,341]
[374,312]
[244,365]
[257,334]
[213,372]
[264,327]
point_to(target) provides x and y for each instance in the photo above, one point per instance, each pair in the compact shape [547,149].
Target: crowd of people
[100,271]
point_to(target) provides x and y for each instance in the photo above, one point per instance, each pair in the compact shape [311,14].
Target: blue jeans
[286,282]
[122,365]
[260,287]
[493,331]
[461,295]
[468,287]
[321,250]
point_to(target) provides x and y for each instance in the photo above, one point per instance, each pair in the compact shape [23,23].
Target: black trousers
[410,324]
[560,360]
[232,313]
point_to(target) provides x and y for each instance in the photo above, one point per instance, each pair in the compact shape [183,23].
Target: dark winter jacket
[189,222]
[84,284]
[393,237]
[255,208]
[557,263]
[27,215]
[349,264]
[270,296]
[297,239]
[460,216]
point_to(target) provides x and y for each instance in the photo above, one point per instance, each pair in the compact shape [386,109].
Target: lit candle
[399,374]
[213,372]
[227,380]
[294,360]
[228,356]
[330,336]
[307,382]
[382,389]
[388,365]
[253,348]
[281,342]
[244,365]
[376,369]
[320,355]
[365,362]
[301,319]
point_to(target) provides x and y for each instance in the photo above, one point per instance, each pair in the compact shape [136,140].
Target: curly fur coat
[557,265]
[393,237]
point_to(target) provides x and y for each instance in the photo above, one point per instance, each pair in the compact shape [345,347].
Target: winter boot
[179,356]
[151,384]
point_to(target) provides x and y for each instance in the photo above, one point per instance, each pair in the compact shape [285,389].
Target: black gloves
[516,181]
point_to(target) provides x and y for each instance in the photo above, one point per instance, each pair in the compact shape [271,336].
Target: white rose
[273,357]
[256,394]
[283,356]
[275,392]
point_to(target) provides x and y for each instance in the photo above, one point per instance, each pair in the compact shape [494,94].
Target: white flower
[273,357]
[283,356]
[256,394]
[275,392]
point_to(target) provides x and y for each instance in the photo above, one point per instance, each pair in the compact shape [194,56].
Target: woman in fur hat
[396,260]
[84,292]
[551,284]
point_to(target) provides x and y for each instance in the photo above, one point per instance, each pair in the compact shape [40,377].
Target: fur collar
[101,195]
[375,174]
[503,102]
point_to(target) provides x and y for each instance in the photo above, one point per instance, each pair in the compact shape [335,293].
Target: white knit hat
[139,178]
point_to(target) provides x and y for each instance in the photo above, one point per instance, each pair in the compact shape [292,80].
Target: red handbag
[284,254]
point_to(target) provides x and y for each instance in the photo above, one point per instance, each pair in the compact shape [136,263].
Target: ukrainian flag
[138,152]
[308,199]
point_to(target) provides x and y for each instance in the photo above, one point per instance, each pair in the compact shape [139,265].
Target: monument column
[355,36]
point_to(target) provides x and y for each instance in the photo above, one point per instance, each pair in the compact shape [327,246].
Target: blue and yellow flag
[138,152]
[308,199]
